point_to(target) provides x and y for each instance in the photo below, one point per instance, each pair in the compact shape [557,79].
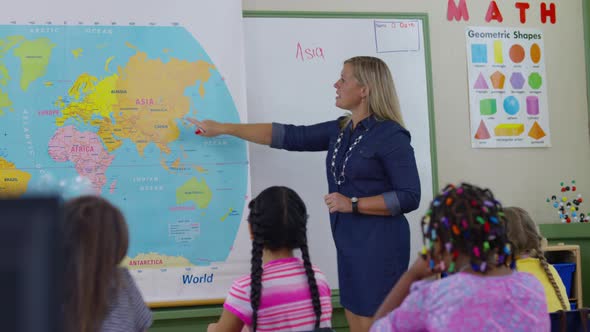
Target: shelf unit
[562,253]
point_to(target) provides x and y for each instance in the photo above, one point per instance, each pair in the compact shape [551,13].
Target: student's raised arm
[260,133]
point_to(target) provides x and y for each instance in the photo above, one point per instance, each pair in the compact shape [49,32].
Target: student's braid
[545,266]
[298,212]
[537,252]
[313,286]
[256,263]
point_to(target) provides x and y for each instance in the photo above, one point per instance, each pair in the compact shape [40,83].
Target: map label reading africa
[102,110]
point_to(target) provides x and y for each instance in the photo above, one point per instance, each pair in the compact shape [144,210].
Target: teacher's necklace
[340,178]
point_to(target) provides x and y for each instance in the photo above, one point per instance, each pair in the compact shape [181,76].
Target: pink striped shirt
[285,303]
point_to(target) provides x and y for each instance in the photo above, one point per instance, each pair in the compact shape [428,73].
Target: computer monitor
[30,263]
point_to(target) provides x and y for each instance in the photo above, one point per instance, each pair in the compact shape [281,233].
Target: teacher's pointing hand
[207,128]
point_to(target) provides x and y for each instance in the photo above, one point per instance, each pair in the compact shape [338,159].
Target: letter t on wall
[522,7]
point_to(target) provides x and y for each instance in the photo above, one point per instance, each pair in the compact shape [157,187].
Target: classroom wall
[523,177]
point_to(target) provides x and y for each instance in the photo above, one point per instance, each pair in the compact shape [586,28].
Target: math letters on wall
[458,10]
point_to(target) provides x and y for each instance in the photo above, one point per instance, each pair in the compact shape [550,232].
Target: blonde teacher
[372,181]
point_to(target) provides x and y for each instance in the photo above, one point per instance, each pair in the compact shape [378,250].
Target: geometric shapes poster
[97,101]
[518,112]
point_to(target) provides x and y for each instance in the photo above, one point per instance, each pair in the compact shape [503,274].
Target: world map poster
[94,100]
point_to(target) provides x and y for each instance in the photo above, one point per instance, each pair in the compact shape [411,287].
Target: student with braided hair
[282,292]
[526,240]
[464,235]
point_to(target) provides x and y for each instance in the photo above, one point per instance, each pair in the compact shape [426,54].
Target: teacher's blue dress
[372,251]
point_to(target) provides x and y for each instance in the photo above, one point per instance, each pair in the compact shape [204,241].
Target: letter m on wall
[457,12]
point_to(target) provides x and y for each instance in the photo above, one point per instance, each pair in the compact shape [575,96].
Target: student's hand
[336,202]
[421,269]
[207,128]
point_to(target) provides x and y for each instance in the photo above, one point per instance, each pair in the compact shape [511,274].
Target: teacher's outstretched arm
[260,133]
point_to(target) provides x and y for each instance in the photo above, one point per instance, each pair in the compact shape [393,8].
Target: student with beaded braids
[464,235]
[282,292]
[372,181]
[526,239]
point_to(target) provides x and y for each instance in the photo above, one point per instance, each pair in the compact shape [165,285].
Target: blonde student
[526,239]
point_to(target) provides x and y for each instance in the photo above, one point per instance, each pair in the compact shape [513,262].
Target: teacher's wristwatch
[355,205]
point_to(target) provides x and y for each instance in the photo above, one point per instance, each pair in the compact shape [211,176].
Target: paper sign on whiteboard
[397,36]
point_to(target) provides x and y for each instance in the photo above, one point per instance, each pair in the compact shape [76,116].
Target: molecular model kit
[568,204]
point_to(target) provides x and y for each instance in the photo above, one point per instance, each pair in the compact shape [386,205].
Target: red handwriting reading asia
[309,53]
[457,10]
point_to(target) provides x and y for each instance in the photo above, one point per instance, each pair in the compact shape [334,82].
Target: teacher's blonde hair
[382,99]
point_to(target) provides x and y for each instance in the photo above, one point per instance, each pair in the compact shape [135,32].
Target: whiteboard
[291,65]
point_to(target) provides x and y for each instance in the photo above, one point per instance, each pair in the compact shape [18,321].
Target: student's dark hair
[526,238]
[278,220]
[95,241]
[467,220]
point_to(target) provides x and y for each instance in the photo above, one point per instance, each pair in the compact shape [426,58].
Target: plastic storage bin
[566,273]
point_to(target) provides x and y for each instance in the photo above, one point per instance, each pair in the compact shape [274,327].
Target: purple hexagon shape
[517,80]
